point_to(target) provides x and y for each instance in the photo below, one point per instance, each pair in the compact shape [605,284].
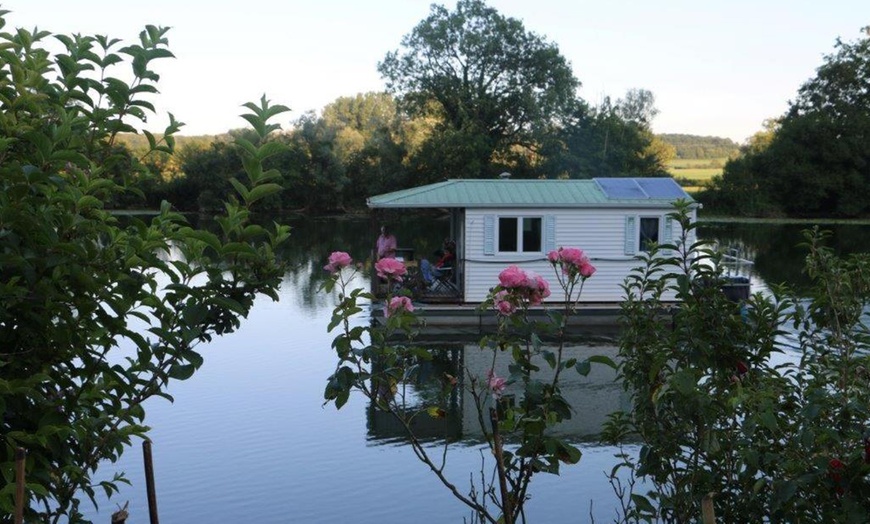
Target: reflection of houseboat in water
[593,397]
[497,223]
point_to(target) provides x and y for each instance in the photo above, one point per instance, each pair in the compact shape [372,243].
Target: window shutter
[630,235]
[549,233]
[669,231]
[489,234]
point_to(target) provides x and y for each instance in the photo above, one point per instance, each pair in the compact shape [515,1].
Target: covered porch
[445,288]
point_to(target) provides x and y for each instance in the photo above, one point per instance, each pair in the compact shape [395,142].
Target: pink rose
[572,255]
[512,277]
[543,287]
[503,303]
[586,269]
[338,260]
[496,384]
[398,304]
[531,281]
[390,269]
[553,256]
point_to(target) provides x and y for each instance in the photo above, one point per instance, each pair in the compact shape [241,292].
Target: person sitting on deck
[446,256]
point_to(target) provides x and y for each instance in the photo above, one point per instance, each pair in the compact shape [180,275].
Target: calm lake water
[248,438]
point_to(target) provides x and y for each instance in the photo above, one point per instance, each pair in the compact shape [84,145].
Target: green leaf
[602,359]
[247,147]
[768,419]
[269,149]
[229,304]
[643,504]
[242,190]
[341,398]
[88,202]
[74,157]
[194,313]
[550,357]
[181,371]
[204,236]
[262,191]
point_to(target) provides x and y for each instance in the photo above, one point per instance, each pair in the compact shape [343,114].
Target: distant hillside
[700,147]
[139,142]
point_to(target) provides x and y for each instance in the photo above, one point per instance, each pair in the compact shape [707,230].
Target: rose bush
[381,361]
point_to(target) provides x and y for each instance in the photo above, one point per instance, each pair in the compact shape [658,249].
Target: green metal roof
[478,193]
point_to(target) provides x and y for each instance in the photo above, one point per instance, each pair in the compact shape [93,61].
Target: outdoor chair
[443,282]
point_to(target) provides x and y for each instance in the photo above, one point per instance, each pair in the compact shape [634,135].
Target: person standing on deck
[386,244]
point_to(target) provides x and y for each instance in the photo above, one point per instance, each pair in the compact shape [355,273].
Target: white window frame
[520,219]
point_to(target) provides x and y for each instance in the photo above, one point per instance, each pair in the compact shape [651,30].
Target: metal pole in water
[149,482]
[20,456]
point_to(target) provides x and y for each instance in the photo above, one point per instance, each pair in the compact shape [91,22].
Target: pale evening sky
[716,67]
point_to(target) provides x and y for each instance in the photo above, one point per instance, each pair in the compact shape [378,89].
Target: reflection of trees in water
[775,248]
[309,246]
[424,389]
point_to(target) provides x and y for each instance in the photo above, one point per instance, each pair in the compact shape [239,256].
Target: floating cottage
[501,222]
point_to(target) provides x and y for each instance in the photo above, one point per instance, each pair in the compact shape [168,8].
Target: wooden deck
[468,322]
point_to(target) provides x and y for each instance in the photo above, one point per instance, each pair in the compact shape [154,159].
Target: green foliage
[721,410]
[700,147]
[98,315]
[508,104]
[487,77]
[817,161]
[600,142]
[353,151]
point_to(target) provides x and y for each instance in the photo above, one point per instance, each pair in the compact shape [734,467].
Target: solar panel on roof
[661,188]
[621,188]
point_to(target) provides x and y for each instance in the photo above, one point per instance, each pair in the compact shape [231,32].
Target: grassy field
[694,173]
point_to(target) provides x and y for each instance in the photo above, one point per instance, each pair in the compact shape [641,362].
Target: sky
[716,68]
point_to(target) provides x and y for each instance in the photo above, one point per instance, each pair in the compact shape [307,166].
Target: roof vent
[505,175]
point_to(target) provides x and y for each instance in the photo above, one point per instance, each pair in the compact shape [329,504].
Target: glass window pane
[649,232]
[532,234]
[507,234]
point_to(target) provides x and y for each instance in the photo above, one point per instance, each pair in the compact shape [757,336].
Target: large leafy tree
[817,163]
[97,314]
[491,83]
[610,140]
[369,143]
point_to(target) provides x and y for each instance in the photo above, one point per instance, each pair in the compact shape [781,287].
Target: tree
[600,142]
[761,140]
[208,173]
[97,314]
[494,84]
[701,147]
[817,163]
[638,107]
[322,177]
[368,142]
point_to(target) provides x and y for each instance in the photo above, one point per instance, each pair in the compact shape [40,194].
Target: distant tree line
[700,147]
[470,94]
[813,161]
